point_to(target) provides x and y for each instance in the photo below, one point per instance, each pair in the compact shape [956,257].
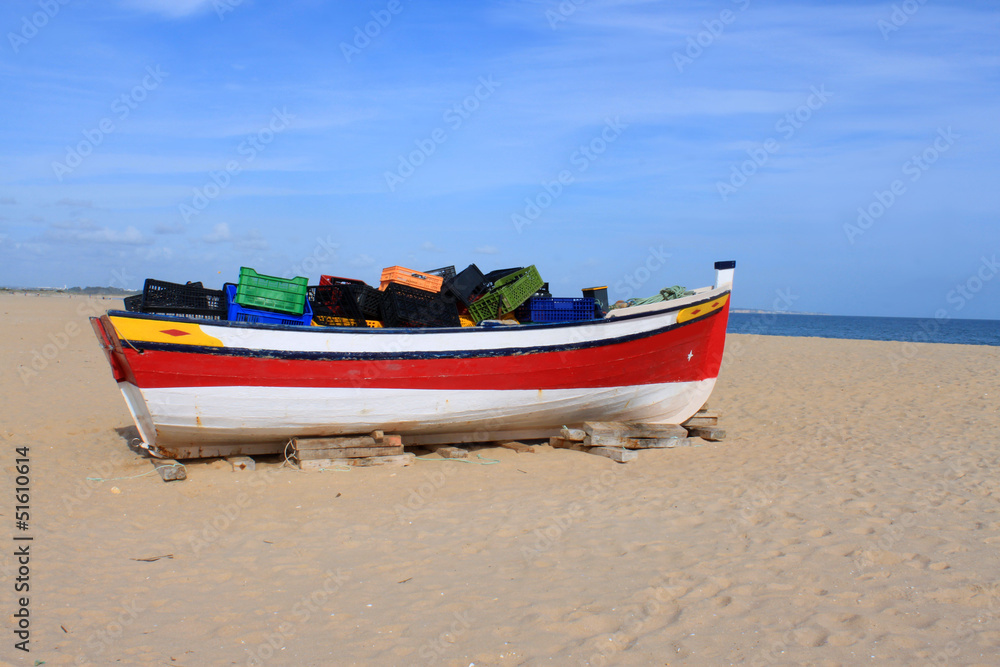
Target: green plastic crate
[507,294]
[269,293]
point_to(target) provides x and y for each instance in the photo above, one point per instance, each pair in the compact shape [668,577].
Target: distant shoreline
[77,291]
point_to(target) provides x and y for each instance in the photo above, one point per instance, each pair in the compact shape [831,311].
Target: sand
[851,517]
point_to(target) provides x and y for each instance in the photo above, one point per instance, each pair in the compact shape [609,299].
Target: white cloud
[220,234]
[85,231]
[75,203]
[252,241]
[487,250]
[168,228]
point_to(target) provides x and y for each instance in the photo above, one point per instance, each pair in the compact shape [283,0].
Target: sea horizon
[950,330]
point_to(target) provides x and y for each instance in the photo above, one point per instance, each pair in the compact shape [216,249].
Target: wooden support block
[711,433]
[321,464]
[698,420]
[376,435]
[391,441]
[241,463]
[391,461]
[577,434]
[169,469]
[613,453]
[518,447]
[449,452]
[609,440]
[427,439]
[562,443]
[634,430]
[658,443]
[346,453]
[301,444]
[398,460]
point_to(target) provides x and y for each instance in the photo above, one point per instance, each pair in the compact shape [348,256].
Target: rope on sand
[115,479]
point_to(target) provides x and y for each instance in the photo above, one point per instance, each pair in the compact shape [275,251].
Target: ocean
[910,329]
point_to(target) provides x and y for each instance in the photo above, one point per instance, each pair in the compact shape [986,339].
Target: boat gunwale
[710,295]
[480,352]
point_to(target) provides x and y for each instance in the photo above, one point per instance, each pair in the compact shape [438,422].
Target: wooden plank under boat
[217,388]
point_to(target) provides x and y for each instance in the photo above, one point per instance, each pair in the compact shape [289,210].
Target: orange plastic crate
[405,276]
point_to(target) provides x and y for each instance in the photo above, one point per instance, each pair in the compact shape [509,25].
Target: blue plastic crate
[238,313]
[556,309]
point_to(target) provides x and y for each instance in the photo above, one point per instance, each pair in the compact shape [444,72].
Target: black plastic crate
[446,272]
[335,301]
[190,300]
[405,306]
[133,304]
[369,301]
[464,285]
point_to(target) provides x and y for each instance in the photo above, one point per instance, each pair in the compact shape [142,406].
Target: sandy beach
[851,517]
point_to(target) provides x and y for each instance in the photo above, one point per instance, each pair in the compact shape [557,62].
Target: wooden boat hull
[197,387]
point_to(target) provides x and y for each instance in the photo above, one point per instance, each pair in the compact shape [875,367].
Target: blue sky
[626,143]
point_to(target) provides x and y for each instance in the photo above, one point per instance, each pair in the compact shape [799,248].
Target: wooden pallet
[376,448]
[619,440]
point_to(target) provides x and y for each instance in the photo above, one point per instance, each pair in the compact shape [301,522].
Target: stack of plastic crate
[269,300]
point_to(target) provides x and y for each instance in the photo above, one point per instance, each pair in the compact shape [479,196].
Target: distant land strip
[99,291]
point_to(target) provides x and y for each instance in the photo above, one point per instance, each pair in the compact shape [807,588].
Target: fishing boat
[199,388]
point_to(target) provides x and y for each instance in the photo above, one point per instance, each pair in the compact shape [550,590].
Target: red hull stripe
[687,353]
